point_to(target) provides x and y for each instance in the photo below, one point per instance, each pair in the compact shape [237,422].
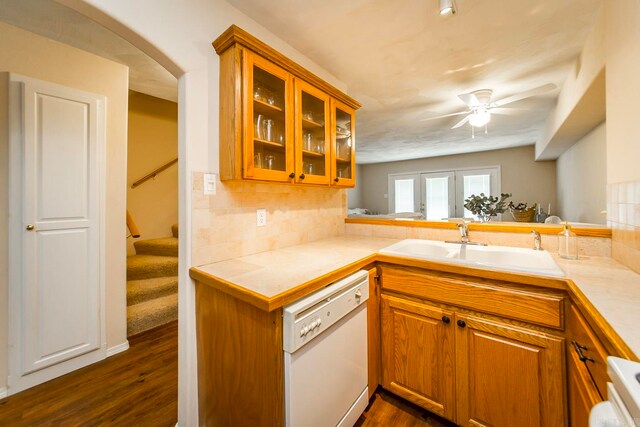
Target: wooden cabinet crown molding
[236,35]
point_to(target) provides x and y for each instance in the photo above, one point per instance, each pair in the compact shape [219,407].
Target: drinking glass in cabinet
[307,140]
[308,168]
[268,130]
[269,162]
[258,129]
[257,161]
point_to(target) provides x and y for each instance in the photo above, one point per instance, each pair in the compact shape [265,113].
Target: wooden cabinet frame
[239,52]
[335,180]
[251,60]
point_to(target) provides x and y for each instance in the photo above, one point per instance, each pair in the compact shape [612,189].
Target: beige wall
[153,141]
[582,179]
[623,129]
[224,224]
[4,221]
[528,180]
[586,70]
[623,90]
[25,53]
[354,195]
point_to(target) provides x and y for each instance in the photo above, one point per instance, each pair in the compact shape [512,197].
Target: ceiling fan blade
[507,111]
[444,115]
[522,95]
[460,123]
[470,99]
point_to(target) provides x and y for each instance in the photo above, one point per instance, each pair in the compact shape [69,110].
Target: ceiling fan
[480,106]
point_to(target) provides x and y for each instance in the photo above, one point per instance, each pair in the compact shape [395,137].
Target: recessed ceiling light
[447,7]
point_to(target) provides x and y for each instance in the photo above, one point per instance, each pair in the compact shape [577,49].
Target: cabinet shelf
[341,160]
[308,124]
[268,143]
[266,108]
[342,135]
[312,153]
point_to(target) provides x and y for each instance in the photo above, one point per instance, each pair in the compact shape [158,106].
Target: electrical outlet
[209,186]
[261,217]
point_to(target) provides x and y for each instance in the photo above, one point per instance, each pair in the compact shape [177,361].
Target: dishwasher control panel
[310,316]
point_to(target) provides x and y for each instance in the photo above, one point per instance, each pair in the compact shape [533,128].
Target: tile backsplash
[224,224]
[623,216]
[587,246]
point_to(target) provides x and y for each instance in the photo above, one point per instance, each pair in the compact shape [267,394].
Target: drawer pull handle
[578,348]
[446,319]
[462,323]
[292,175]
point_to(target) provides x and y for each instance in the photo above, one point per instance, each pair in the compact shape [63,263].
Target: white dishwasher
[325,355]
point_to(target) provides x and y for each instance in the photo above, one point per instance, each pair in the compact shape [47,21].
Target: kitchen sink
[505,258]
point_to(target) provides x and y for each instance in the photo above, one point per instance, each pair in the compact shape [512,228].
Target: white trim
[3,393]
[112,351]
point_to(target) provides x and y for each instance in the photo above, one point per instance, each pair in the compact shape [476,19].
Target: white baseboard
[3,392]
[118,349]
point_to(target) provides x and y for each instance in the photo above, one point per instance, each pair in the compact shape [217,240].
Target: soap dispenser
[568,243]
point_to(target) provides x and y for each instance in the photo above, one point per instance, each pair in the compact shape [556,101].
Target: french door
[440,195]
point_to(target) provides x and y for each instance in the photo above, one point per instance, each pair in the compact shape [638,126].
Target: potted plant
[486,207]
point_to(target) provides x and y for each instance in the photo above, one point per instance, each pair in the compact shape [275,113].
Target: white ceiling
[399,58]
[65,25]
[403,62]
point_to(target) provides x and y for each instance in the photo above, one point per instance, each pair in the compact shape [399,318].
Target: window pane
[404,195]
[476,184]
[437,198]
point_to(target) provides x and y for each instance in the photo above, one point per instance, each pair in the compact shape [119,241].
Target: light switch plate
[261,217]
[209,183]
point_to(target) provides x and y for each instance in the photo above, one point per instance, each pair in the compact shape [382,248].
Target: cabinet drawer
[583,338]
[534,307]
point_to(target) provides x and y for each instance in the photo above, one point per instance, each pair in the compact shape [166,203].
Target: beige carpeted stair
[152,283]
[166,246]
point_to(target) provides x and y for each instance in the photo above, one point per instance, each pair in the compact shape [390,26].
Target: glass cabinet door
[268,135]
[343,145]
[312,134]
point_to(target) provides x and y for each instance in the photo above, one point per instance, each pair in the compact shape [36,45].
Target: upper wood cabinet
[278,121]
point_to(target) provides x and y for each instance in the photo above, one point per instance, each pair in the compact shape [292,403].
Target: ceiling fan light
[446,7]
[479,118]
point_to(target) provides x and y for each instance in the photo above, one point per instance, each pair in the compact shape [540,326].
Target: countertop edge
[279,300]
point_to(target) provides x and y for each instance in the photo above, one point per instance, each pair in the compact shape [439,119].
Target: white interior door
[56,288]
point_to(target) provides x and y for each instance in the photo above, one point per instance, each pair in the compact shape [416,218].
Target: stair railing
[154,173]
[132,226]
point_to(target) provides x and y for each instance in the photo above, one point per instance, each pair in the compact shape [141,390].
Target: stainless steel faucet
[537,240]
[464,236]
[464,232]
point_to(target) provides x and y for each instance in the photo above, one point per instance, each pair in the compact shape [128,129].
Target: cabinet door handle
[446,320]
[292,175]
[336,179]
[461,323]
[578,348]
[301,176]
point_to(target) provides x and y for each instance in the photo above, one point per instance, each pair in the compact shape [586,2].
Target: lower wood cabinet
[507,375]
[418,354]
[469,369]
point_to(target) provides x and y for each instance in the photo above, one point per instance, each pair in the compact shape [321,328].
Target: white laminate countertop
[613,289]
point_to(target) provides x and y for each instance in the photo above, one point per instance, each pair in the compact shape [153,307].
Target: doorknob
[31,227]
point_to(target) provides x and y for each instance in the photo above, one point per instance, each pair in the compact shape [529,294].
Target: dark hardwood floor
[140,388]
[136,388]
